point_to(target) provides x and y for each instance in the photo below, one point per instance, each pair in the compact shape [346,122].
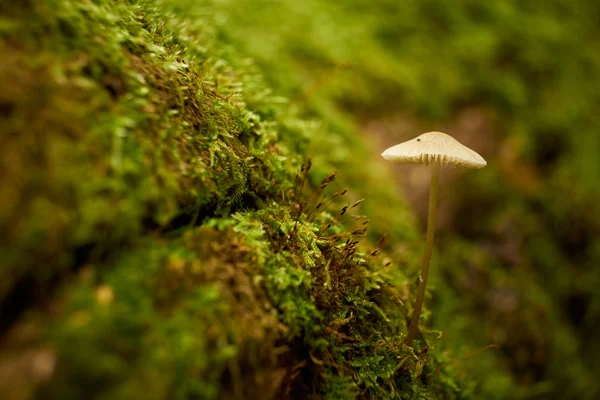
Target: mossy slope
[159,236]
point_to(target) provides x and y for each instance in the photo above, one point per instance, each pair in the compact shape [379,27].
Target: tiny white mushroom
[435,148]
[432,147]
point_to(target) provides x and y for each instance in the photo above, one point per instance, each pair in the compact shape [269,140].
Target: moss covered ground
[182,209]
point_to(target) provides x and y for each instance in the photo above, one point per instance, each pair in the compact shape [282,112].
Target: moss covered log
[164,232]
[181,186]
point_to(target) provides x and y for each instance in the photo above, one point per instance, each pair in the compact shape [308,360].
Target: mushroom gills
[431,158]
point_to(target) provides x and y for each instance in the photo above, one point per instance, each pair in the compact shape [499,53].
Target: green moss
[155,235]
[118,137]
[128,125]
[175,319]
[339,305]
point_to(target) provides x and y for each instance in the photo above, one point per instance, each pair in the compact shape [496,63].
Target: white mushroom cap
[434,147]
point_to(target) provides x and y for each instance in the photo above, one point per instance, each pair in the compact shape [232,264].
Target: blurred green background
[517,260]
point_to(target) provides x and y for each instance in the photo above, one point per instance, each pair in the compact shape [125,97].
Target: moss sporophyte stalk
[435,149]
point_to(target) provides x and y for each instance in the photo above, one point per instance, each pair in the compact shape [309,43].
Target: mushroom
[435,148]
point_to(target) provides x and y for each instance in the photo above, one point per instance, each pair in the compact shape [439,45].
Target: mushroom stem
[433,193]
